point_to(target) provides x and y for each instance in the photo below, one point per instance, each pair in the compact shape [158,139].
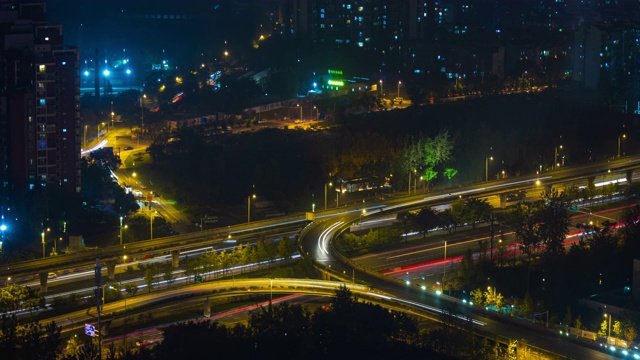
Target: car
[147,342]
[128,147]
[52,275]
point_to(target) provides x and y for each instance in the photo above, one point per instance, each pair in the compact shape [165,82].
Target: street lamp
[298,105]
[85,137]
[141,117]
[444,266]
[55,246]
[555,157]
[325,194]
[609,333]
[43,241]
[313,203]
[152,213]
[315,107]
[249,207]
[486,167]
[120,230]
[399,82]
[623,136]
[381,89]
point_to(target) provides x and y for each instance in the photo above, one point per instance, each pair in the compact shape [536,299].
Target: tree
[476,210]
[131,289]
[447,220]
[617,330]
[524,222]
[167,269]
[149,277]
[527,305]
[567,317]
[405,219]
[555,221]
[284,248]
[578,323]
[604,328]
[477,297]
[630,333]
[426,220]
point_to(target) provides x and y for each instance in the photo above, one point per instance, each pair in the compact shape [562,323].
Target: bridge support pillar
[43,281]
[111,269]
[629,176]
[591,181]
[175,258]
[326,276]
[503,201]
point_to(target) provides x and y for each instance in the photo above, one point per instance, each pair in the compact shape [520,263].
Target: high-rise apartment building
[39,101]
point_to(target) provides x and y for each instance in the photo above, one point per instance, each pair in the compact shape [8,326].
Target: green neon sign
[335,72]
[335,83]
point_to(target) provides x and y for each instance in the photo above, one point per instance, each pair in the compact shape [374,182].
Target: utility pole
[98,276]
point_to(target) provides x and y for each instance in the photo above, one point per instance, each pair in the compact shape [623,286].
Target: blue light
[86,73]
[106,72]
[3,227]
[128,71]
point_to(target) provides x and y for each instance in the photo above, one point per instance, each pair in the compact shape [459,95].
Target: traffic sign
[90,330]
[197,279]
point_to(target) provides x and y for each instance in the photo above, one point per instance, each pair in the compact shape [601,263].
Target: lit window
[43,102]
[42,68]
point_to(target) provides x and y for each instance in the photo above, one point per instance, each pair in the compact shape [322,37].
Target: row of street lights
[314,108]
[381,88]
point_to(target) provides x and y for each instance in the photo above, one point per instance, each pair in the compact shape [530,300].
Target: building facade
[39,101]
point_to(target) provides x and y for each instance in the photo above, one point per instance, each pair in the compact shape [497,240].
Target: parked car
[52,275]
[128,147]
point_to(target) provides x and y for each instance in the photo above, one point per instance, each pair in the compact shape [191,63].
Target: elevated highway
[110,256]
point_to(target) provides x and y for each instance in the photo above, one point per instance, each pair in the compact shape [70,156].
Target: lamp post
[151,214]
[120,230]
[444,266]
[298,105]
[486,167]
[555,157]
[325,194]
[249,207]
[141,118]
[381,89]
[619,138]
[337,198]
[43,241]
[316,108]
[112,113]
[55,246]
[399,82]
[313,203]
[43,249]
[85,138]
[609,333]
